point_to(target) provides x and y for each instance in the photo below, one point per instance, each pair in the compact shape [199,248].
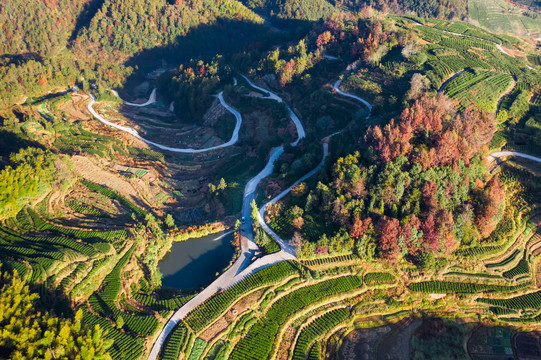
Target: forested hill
[293,9]
[41,27]
[44,45]
[133,25]
[316,9]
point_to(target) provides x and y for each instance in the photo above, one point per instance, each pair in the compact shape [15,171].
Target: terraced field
[500,16]
[482,89]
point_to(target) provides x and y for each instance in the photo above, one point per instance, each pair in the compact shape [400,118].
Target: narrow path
[132,131]
[242,268]
[509,90]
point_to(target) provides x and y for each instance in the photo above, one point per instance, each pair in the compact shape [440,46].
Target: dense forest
[415,187]
[426,192]
[29,332]
[37,28]
[313,10]
[29,175]
[118,31]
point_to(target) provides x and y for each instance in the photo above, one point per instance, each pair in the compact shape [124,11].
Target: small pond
[195,262]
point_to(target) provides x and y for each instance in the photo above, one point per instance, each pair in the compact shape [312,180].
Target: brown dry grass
[287,344]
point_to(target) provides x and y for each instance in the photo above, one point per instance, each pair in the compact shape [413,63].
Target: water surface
[194,263]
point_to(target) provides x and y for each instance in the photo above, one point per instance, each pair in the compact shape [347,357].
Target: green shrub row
[206,313]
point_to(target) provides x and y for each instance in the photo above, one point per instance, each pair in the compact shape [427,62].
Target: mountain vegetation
[28,333]
[394,211]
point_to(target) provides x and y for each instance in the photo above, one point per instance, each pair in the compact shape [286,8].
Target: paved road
[270,95]
[285,246]
[501,154]
[151,99]
[336,88]
[132,131]
[242,266]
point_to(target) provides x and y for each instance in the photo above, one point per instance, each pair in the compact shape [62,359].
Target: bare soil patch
[397,345]
[361,344]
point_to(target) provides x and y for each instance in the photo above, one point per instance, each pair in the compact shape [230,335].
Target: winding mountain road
[242,267]
[151,99]
[236,273]
[132,131]
[298,124]
[501,154]
[336,88]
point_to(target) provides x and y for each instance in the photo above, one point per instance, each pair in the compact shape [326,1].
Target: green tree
[222,185]
[119,322]
[29,334]
[169,221]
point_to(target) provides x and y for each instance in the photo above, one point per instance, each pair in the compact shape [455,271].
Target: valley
[268,180]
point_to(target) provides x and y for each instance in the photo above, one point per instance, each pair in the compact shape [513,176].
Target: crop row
[466,43]
[442,287]
[12,266]
[124,345]
[246,321]
[257,344]
[103,302]
[206,313]
[480,250]
[465,29]
[176,342]
[162,304]
[328,260]
[473,275]
[144,324]
[109,236]
[485,93]
[85,209]
[68,280]
[501,311]
[315,352]
[111,285]
[522,267]
[300,298]
[114,195]
[30,245]
[527,301]
[197,349]
[464,81]
[316,329]
[505,261]
[379,278]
